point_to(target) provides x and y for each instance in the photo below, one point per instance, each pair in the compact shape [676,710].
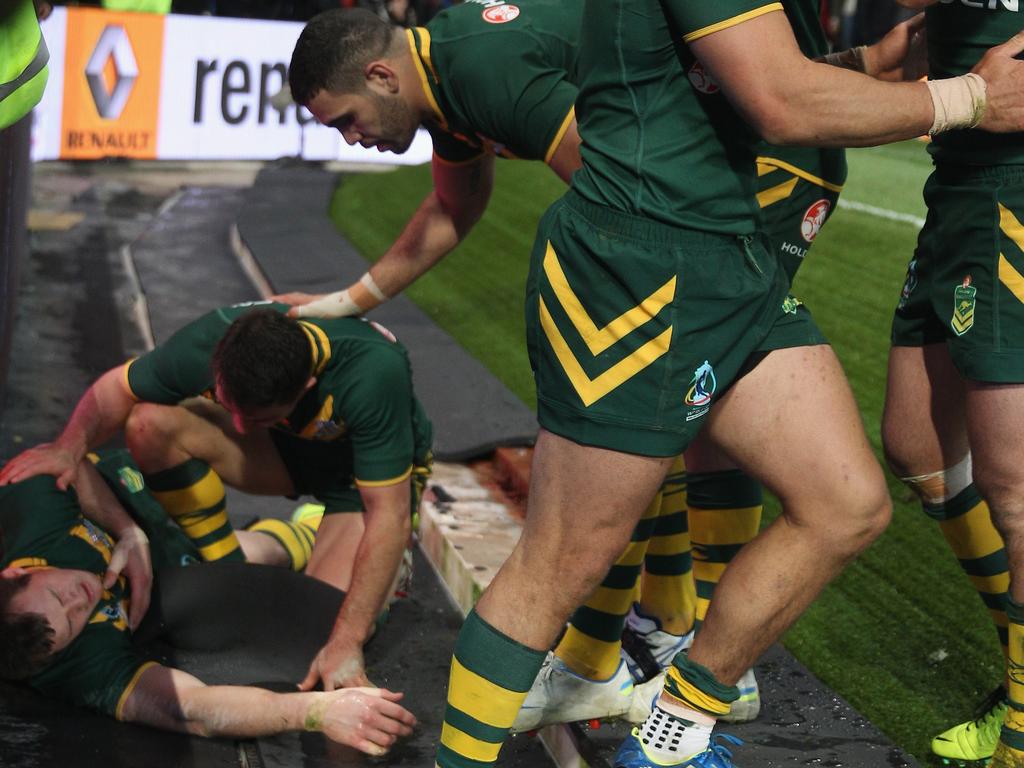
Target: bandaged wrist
[371,285]
[959,102]
[337,304]
[851,58]
[315,714]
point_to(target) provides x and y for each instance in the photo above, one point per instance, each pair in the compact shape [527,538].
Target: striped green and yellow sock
[1010,751]
[668,593]
[725,513]
[296,538]
[967,526]
[692,685]
[592,642]
[490,677]
[193,495]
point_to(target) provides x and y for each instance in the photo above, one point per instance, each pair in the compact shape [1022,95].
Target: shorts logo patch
[963,307]
[131,479]
[702,389]
[790,304]
[499,14]
[909,284]
[814,219]
[701,80]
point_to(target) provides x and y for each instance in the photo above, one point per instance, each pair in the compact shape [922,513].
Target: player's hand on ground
[369,719]
[902,54]
[1004,86]
[132,558]
[339,664]
[44,459]
[296,299]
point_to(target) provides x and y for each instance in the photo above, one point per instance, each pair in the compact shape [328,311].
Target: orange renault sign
[112,71]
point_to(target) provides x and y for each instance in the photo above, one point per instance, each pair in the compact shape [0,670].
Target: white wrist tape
[959,102]
[337,304]
[371,285]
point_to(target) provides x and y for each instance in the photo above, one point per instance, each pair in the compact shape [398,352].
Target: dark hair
[25,638]
[263,359]
[332,51]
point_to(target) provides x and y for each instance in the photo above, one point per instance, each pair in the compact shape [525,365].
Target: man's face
[66,598]
[258,417]
[372,119]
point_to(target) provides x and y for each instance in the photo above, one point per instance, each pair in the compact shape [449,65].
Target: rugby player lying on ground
[64,619]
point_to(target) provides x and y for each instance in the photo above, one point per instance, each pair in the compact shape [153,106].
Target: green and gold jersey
[43,527]
[659,138]
[499,76]
[363,393]
[959,33]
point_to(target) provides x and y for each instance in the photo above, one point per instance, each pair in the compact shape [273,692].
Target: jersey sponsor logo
[499,14]
[909,284]
[963,307]
[702,389]
[814,219]
[112,612]
[790,304]
[793,250]
[701,80]
[991,5]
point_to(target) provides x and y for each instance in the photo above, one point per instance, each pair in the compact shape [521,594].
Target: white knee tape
[939,487]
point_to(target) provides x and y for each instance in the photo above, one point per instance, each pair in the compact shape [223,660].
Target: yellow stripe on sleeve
[560,135]
[124,380]
[122,700]
[382,483]
[726,23]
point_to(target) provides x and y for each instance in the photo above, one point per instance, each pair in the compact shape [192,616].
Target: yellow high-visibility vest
[140,6]
[23,61]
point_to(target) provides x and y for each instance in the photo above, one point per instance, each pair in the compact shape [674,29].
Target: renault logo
[113,44]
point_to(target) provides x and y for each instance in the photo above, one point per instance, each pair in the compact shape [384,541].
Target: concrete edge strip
[139,304]
[248,262]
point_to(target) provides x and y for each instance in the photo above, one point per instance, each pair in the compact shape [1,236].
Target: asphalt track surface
[79,314]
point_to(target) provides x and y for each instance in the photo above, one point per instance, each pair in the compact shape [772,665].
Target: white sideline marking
[882,213]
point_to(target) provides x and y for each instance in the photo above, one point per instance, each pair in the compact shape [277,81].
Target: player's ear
[380,75]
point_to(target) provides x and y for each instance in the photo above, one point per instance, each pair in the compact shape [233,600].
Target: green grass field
[901,634]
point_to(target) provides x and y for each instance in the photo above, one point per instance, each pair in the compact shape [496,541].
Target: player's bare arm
[388,527]
[131,555]
[446,215]
[99,415]
[790,99]
[368,719]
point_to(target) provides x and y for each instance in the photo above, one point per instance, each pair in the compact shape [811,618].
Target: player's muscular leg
[995,418]
[161,436]
[336,543]
[584,504]
[923,425]
[793,424]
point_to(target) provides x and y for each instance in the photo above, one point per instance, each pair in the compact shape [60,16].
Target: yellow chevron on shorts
[487,702]
[599,339]
[774,194]
[1011,278]
[592,390]
[463,744]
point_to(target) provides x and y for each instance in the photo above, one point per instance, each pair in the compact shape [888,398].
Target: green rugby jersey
[43,527]
[959,34]
[499,76]
[363,392]
[659,138]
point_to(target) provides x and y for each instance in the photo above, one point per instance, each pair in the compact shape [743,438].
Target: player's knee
[1005,496]
[866,513]
[148,426]
[936,488]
